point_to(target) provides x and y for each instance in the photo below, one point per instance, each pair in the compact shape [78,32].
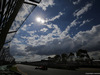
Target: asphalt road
[30,70]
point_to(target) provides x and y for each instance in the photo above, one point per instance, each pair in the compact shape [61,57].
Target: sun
[40,20]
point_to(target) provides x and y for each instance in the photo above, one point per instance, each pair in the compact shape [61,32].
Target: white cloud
[56,30]
[44,29]
[17,49]
[49,26]
[31,32]
[82,10]
[76,2]
[21,16]
[31,58]
[94,54]
[35,39]
[46,3]
[75,21]
[89,39]
[84,22]
[15,40]
[49,45]
[9,37]
[54,18]
[24,27]
[57,41]
[72,24]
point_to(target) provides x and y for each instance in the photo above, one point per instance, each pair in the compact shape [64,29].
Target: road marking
[21,71]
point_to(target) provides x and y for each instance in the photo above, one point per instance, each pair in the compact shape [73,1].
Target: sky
[56,27]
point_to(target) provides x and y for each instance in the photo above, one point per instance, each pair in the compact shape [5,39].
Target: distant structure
[10,10]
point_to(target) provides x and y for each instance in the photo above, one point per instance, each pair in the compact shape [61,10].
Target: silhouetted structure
[9,12]
[69,61]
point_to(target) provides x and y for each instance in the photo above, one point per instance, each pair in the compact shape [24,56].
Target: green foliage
[13,68]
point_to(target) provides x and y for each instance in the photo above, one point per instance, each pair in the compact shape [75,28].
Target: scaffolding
[10,11]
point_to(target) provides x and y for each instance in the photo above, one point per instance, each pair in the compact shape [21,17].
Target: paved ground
[29,70]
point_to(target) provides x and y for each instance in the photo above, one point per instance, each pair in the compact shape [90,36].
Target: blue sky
[68,25]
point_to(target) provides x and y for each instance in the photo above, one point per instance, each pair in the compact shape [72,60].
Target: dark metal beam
[9,23]
[35,1]
[30,3]
[12,32]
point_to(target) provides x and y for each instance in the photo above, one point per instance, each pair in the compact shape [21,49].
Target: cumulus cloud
[24,27]
[46,3]
[35,39]
[31,32]
[89,39]
[15,40]
[20,54]
[49,25]
[55,43]
[76,2]
[82,10]
[44,29]
[21,16]
[18,49]
[86,40]
[31,58]
[94,54]
[9,37]
[52,47]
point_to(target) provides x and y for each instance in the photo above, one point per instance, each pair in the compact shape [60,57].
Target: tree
[82,55]
[64,58]
[57,58]
[49,58]
[70,56]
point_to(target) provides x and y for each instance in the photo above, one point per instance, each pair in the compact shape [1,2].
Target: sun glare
[40,20]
